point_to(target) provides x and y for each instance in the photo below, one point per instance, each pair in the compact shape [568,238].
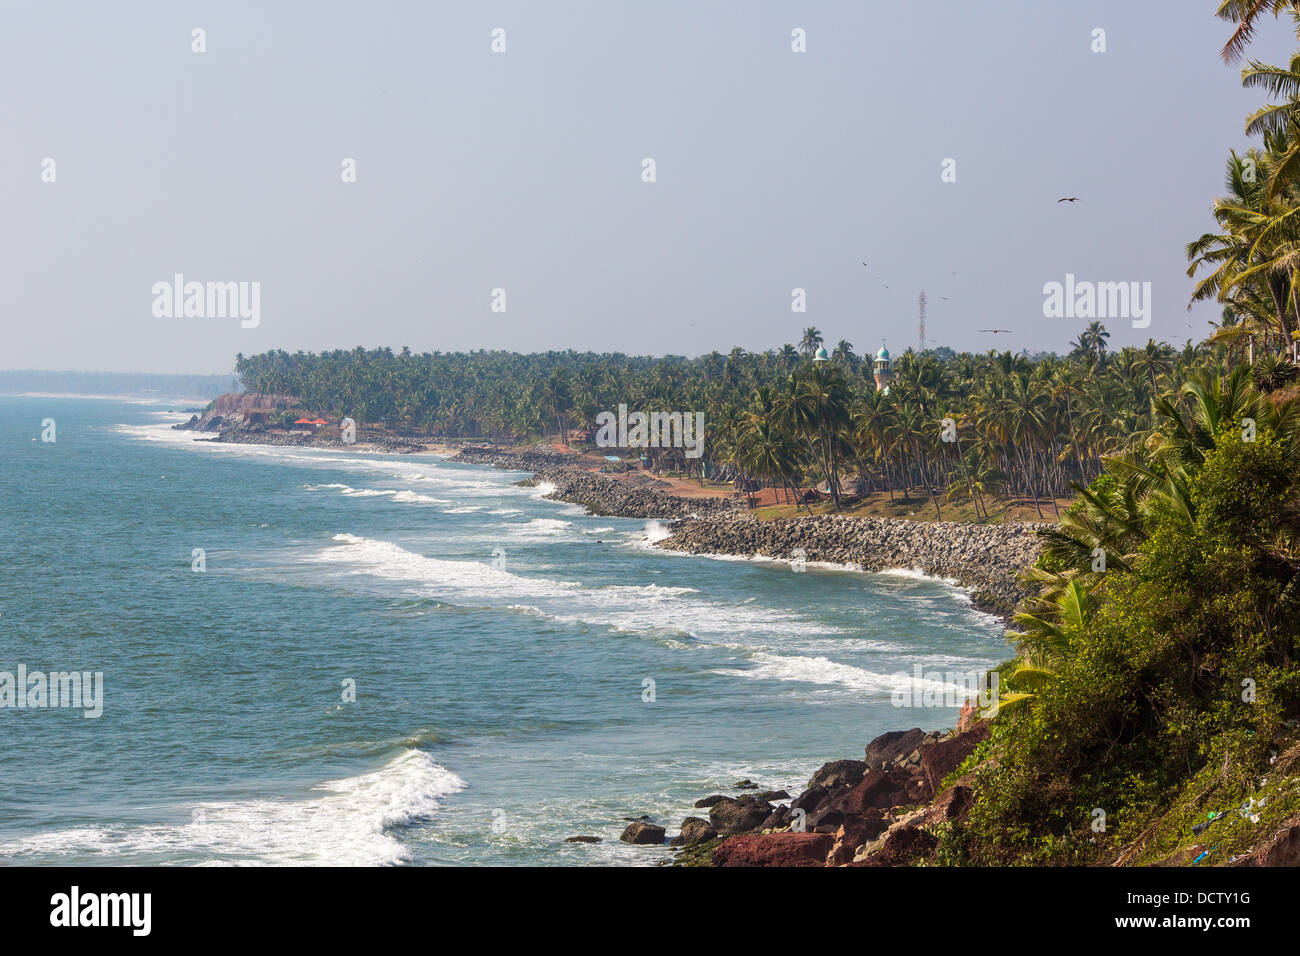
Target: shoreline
[986,559]
[884,810]
[983,559]
[889,808]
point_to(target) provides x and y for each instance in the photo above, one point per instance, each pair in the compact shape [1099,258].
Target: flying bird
[995,331]
[1069,199]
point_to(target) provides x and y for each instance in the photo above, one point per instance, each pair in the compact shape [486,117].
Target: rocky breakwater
[386,444]
[887,809]
[511,460]
[628,497]
[986,558]
[625,498]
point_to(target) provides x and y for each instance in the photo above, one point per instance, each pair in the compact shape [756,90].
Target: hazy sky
[522,170]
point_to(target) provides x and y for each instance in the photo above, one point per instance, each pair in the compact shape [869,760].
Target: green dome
[822,355]
[883,353]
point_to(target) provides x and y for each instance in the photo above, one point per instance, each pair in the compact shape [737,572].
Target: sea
[310,656]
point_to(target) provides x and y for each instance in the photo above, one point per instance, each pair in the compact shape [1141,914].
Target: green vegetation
[1174,667]
[1023,429]
[1157,683]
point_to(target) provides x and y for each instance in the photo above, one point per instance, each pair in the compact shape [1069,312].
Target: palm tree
[811,341]
[1246,13]
[1274,372]
[1048,640]
[1154,360]
[816,407]
[560,401]
[1249,264]
[1097,338]
[843,353]
[768,454]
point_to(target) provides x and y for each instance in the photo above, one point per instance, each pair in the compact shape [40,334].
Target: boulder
[694,830]
[771,796]
[739,816]
[810,799]
[582,839]
[888,747]
[942,758]
[880,789]
[639,832]
[780,817]
[710,801]
[900,846]
[918,788]
[826,820]
[855,832]
[952,804]
[774,849]
[968,717]
[838,773]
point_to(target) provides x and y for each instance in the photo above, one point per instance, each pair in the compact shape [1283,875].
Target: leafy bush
[1186,667]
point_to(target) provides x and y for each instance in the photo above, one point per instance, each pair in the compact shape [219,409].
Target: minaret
[881,370]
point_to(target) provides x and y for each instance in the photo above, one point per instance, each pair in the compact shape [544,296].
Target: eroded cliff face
[234,410]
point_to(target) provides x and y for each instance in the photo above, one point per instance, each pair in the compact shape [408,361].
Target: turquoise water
[498,700]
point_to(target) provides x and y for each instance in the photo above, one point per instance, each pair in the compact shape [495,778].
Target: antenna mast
[921,303]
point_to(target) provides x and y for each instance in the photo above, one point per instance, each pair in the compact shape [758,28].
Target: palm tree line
[969,427]
[951,427]
[1251,262]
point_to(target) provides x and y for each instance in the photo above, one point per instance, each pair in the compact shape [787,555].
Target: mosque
[880,366]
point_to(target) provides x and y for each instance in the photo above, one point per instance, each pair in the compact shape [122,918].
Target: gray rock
[739,816]
[838,773]
[886,749]
[643,833]
[694,830]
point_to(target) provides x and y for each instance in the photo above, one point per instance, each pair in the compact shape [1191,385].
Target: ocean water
[500,646]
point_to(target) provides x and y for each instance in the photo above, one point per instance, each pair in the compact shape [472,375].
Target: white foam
[916,574]
[821,670]
[406,497]
[632,607]
[655,531]
[543,527]
[448,477]
[466,581]
[412,497]
[348,825]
